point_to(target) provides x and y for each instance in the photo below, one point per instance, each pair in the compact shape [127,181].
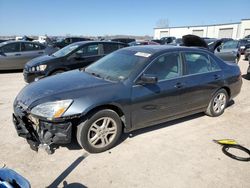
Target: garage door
[226,33]
[247,32]
[198,32]
[164,34]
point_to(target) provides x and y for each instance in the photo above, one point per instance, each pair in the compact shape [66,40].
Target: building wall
[232,30]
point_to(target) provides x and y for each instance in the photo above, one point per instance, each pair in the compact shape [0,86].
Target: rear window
[197,63]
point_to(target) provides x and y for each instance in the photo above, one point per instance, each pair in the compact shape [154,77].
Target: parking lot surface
[179,153]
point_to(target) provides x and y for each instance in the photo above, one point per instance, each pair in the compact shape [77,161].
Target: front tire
[100,131]
[218,103]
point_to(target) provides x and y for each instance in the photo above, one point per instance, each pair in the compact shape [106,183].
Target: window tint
[30,47]
[199,63]
[108,48]
[166,67]
[13,47]
[214,65]
[230,44]
[89,50]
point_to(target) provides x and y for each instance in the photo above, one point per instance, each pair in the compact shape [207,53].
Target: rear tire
[100,131]
[218,103]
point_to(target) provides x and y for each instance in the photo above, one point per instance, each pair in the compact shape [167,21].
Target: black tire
[227,147]
[210,109]
[57,72]
[84,131]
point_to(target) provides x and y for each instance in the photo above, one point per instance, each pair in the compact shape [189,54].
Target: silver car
[14,54]
[229,51]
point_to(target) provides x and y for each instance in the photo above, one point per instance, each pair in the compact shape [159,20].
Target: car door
[202,78]
[29,51]
[154,103]
[228,51]
[86,55]
[10,56]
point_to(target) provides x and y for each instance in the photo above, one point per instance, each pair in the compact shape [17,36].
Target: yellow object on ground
[226,142]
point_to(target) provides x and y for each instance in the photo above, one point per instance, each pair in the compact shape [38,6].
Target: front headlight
[41,67]
[38,68]
[51,110]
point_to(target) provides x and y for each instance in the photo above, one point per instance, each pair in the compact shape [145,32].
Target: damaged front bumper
[42,134]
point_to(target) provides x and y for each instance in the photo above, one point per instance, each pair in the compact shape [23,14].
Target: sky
[113,17]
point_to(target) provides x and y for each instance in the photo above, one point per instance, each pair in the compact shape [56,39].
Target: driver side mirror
[147,79]
[218,48]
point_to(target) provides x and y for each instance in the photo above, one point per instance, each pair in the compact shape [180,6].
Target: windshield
[66,50]
[117,66]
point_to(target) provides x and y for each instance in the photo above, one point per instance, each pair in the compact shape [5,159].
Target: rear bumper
[42,133]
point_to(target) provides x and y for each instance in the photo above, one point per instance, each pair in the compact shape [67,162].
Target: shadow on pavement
[246,77]
[66,172]
[10,71]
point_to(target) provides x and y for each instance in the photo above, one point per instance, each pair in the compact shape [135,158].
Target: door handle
[17,54]
[179,85]
[40,52]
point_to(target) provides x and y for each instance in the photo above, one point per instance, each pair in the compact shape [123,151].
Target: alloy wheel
[102,132]
[219,103]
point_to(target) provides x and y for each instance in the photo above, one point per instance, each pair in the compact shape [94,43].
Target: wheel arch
[113,107]
[57,69]
[227,90]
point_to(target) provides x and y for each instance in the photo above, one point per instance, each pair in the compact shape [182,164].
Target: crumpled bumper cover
[45,133]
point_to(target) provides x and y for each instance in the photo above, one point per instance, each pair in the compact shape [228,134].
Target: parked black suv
[73,56]
[69,40]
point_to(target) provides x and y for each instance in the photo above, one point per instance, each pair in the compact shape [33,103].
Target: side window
[166,66]
[9,48]
[230,45]
[214,66]
[89,50]
[197,63]
[30,47]
[108,48]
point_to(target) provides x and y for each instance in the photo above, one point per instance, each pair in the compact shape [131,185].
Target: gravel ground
[177,154]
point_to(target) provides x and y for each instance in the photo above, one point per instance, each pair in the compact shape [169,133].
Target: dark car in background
[177,42]
[167,40]
[214,43]
[60,43]
[242,45]
[73,56]
[247,52]
[137,43]
[229,51]
[123,40]
[131,88]
[14,54]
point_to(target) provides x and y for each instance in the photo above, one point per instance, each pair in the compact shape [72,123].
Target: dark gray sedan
[14,54]
[126,90]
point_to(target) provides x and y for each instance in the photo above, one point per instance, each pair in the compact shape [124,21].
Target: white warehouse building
[229,30]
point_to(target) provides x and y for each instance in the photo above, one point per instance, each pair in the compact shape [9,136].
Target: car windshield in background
[118,65]
[65,51]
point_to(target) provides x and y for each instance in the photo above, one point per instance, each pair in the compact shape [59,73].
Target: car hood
[59,87]
[40,60]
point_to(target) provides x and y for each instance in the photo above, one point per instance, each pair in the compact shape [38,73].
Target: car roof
[102,42]
[152,49]
[18,41]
